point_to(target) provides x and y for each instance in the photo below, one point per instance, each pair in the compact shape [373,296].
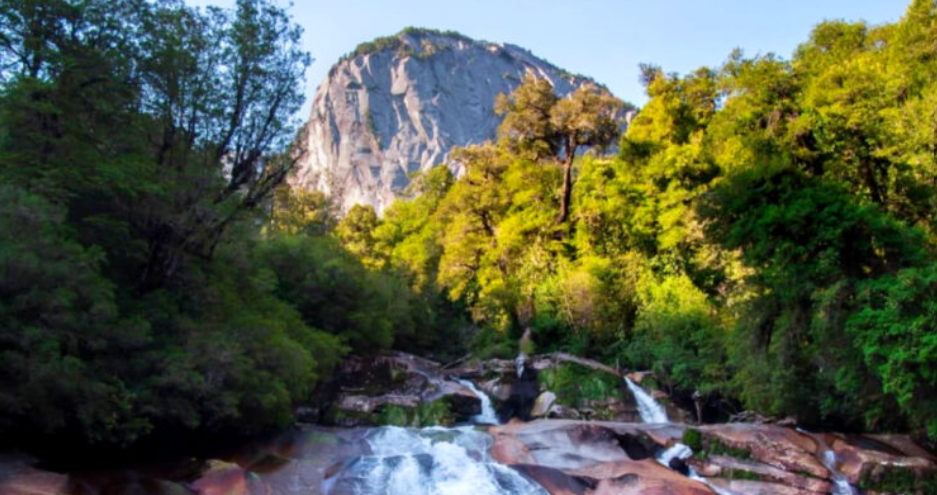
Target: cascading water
[488,415]
[683,452]
[841,485]
[430,461]
[650,410]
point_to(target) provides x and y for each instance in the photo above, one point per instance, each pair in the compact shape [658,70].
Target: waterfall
[429,461]
[841,485]
[675,451]
[520,363]
[683,452]
[488,415]
[650,410]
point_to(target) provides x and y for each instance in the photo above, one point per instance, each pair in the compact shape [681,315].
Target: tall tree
[539,124]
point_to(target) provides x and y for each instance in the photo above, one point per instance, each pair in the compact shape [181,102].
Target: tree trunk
[567,188]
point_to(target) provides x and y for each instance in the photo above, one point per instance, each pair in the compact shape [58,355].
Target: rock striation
[399,104]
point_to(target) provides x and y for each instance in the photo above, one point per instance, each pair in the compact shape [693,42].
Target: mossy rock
[693,439]
[898,479]
[343,417]
[576,385]
[741,474]
[435,413]
[704,445]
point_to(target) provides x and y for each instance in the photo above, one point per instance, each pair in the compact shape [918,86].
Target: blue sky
[603,39]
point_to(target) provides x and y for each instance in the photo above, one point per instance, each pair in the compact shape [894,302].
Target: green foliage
[676,336]
[765,234]
[693,439]
[144,298]
[401,46]
[425,414]
[392,415]
[898,479]
[705,445]
[741,474]
[333,289]
[576,386]
[895,331]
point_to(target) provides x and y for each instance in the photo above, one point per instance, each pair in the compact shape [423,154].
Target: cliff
[399,104]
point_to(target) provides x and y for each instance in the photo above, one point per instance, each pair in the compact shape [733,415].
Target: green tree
[541,125]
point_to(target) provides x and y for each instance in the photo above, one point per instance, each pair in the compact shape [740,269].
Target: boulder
[543,404]
[223,478]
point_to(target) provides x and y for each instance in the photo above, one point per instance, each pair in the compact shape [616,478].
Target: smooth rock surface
[383,115]
[543,404]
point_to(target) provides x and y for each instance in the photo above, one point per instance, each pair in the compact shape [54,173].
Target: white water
[520,362]
[429,461]
[683,452]
[676,451]
[841,485]
[650,410]
[488,415]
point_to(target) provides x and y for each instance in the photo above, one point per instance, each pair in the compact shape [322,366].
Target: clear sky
[603,39]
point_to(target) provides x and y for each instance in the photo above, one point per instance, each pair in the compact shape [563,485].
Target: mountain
[398,104]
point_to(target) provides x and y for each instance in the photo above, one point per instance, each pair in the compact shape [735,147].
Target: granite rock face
[399,104]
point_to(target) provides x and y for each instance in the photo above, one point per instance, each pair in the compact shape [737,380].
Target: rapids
[429,461]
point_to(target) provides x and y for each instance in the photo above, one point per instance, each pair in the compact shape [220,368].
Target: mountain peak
[398,104]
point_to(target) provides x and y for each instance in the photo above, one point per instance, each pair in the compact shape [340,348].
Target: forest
[763,234]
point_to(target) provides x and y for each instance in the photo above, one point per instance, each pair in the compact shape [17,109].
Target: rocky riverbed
[572,440]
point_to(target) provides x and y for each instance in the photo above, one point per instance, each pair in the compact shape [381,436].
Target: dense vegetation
[765,235]
[144,295]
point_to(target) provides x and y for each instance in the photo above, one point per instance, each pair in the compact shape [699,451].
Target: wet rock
[776,446]
[744,459]
[884,464]
[645,477]
[751,487]
[555,481]
[637,446]
[679,465]
[720,466]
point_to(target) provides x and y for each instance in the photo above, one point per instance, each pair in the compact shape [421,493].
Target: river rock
[719,466]
[223,478]
[774,445]
[543,404]
[878,463]
[565,444]
[397,389]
